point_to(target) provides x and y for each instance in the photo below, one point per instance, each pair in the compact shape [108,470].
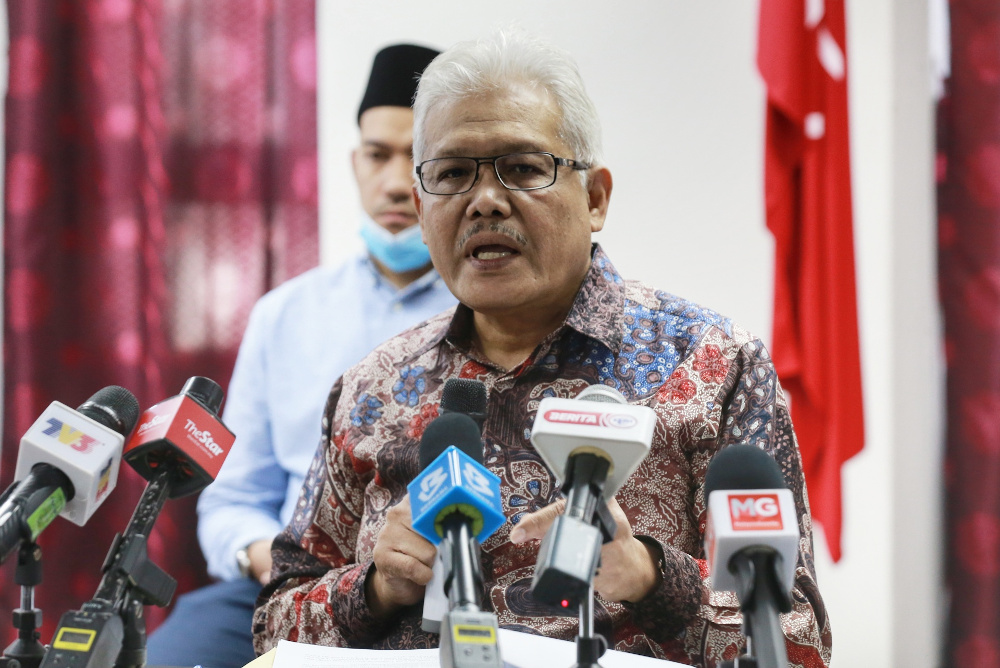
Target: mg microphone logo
[755,512]
[617,420]
[67,435]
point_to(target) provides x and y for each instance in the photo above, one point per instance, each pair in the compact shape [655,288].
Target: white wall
[682,107]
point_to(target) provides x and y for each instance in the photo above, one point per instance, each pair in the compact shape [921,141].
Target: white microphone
[67,464]
[752,542]
[592,448]
[606,425]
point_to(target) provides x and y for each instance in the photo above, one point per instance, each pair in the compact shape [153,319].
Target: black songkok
[395,71]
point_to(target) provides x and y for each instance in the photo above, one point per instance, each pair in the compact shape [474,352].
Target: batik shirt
[711,385]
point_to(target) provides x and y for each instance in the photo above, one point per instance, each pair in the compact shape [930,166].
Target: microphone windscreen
[603,393]
[205,391]
[463,395]
[114,407]
[450,429]
[743,467]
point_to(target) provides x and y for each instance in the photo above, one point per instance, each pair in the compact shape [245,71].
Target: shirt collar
[425,282]
[602,290]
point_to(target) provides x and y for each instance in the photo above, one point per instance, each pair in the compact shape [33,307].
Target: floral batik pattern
[710,384]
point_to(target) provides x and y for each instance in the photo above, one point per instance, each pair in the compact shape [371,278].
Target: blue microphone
[455,504]
[454,485]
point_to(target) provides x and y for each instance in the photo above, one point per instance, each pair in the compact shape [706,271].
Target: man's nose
[489,197]
[399,175]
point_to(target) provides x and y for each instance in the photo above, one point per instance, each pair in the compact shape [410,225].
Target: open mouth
[492,252]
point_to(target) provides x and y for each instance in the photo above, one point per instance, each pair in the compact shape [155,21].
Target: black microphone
[466,396]
[751,541]
[67,465]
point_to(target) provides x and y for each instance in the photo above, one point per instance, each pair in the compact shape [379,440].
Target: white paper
[519,650]
[435,602]
[299,655]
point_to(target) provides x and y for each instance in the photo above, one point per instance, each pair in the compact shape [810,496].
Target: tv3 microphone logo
[67,435]
[755,512]
[435,480]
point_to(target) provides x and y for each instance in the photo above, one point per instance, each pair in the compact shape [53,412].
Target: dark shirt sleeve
[317,589]
[684,608]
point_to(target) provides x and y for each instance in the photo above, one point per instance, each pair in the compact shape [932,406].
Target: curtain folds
[969,274]
[160,177]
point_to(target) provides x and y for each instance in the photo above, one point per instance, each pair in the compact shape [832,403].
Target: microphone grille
[603,393]
[114,407]
[743,467]
[455,429]
[463,395]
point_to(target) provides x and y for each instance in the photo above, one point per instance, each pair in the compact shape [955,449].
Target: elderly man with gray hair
[510,188]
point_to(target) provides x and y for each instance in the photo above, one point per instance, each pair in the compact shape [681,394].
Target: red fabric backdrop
[160,176]
[969,274]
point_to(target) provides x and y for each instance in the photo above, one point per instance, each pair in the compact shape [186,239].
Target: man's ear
[419,205]
[599,185]
[354,163]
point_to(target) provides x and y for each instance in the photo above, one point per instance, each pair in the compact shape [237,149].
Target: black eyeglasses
[516,171]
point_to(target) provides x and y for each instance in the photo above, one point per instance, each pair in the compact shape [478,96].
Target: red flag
[802,57]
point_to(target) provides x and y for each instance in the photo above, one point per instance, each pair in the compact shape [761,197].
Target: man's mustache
[498,228]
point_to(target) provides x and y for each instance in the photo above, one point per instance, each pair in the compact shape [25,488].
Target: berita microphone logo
[755,512]
[587,418]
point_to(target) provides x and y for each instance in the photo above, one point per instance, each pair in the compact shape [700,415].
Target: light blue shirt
[300,338]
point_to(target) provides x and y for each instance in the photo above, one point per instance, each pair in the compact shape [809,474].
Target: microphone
[455,503]
[67,465]
[179,447]
[184,437]
[468,397]
[752,543]
[592,449]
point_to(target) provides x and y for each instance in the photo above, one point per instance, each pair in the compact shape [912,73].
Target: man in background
[300,338]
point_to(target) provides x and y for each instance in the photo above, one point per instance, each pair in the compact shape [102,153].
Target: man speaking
[510,189]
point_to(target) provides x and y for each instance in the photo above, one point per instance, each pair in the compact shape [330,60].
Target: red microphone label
[184,422]
[587,418]
[755,512]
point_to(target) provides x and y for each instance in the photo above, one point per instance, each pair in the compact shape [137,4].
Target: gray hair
[498,62]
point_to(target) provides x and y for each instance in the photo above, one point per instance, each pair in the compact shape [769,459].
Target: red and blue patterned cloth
[711,384]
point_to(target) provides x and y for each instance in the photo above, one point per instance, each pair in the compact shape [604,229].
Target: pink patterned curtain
[160,176]
[969,264]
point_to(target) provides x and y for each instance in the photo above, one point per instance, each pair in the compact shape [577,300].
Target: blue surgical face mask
[400,252]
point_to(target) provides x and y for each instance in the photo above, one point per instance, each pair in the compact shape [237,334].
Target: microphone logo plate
[755,512]
[589,418]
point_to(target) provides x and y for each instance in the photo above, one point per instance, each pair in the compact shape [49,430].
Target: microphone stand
[468,633]
[761,598]
[589,646]
[110,629]
[26,651]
